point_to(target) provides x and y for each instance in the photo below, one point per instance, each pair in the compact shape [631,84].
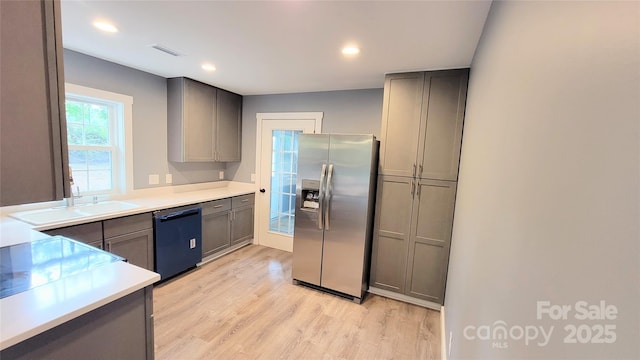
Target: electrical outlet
[221,175]
[168,178]
[192,243]
[253,177]
[154,179]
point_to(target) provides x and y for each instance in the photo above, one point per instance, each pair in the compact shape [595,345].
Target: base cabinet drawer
[90,233]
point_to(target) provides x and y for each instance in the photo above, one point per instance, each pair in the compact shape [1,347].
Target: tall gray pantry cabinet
[421,135]
[33,136]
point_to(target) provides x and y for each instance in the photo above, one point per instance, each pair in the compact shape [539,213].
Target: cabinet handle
[413,187]
[109,246]
[420,172]
[217,206]
[245,200]
[414,170]
[418,190]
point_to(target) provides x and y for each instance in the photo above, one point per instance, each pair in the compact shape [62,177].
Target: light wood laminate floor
[243,306]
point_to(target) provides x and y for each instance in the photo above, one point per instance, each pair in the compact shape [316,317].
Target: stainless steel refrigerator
[335,194]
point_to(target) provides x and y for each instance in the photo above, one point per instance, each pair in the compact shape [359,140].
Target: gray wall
[149,94]
[350,111]
[548,194]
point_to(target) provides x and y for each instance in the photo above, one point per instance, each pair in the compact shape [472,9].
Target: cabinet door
[444,101]
[228,126]
[33,140]
[242,224]
[430,240]
[391,232]
[215,232]
[199,119]
[136,247]
[400,123]
[90,233]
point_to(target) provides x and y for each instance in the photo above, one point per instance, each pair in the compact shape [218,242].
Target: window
[97,138]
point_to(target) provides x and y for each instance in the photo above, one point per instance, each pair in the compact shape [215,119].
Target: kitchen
[481,145]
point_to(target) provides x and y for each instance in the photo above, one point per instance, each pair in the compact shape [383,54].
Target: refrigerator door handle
[321,196]
[327,195]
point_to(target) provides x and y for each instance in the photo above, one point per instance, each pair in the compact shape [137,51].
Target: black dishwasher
[178,240]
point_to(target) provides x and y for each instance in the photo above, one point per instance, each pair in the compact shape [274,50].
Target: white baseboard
[443,336]
[405,298]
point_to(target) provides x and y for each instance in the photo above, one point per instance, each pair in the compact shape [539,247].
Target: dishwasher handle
[178,214]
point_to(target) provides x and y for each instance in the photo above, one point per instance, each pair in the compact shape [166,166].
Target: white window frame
[122,133]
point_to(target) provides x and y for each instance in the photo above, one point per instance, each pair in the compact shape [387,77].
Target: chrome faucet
[71,199]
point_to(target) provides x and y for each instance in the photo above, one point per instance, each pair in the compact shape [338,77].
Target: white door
[276,167]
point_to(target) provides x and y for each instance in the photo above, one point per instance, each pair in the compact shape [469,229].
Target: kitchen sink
[57,214]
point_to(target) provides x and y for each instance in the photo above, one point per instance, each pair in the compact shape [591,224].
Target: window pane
[74,134]
[74,112]
[99,180]
[283,180]
[97,135]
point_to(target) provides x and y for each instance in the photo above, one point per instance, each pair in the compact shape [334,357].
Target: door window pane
[284,157]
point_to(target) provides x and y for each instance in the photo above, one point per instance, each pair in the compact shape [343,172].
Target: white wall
[149,94]
[548,192]
[349,111]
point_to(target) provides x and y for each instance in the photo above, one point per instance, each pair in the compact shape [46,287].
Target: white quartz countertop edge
[13,231]
[33,312]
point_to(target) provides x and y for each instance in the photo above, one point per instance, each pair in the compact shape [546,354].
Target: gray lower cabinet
[33,140]
[122,329]
[132,238]
[392,229]
[216,232]
[429,240]
[414,218]
[242,208]
[226,222]
[90,233]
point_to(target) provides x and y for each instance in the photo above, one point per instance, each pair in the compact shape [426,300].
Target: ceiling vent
[165,49]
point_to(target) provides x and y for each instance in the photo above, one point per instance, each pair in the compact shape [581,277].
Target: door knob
[262,190]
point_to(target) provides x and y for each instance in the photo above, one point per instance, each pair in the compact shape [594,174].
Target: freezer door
[313,152]
[349,177]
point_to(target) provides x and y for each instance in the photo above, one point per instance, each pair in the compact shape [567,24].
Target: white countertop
[32,312]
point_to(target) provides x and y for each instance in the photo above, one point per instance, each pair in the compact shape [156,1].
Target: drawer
[127,225]
[242,200]
[86,233]
[212,207]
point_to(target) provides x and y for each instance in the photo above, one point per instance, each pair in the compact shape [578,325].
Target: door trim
[260,117]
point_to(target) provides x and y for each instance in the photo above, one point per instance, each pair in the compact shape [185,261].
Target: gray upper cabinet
[444,100]
[400,123]
[33,140]
[229,124]
[422,122]
[203,122]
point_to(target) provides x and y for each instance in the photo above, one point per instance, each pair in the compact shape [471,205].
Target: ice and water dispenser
[310,193]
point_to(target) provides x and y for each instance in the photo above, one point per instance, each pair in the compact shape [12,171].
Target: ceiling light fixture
[105,26]
[350,50]
[208,67]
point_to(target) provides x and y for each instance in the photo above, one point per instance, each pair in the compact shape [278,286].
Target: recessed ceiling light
[105,26]
[350,50]
[208,67]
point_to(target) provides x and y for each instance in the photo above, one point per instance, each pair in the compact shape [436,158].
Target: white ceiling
[269,47]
